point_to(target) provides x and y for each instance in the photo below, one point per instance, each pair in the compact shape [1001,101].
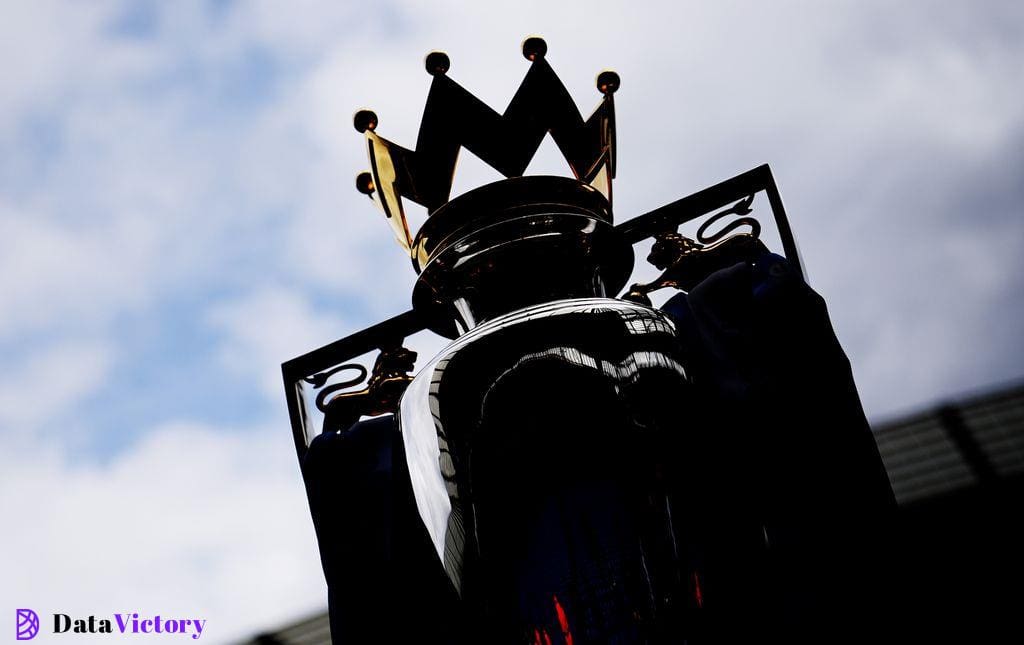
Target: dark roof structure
[978,441]
[313,630]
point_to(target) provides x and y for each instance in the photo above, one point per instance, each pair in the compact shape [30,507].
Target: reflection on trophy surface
[578,465]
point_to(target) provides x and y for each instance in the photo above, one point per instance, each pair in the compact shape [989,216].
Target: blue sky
[178,217]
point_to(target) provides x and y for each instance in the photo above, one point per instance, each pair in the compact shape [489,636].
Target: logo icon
[28,624]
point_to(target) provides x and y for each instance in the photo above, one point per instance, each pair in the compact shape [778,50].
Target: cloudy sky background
[178,217]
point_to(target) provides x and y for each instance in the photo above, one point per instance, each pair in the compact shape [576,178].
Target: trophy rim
[502,200]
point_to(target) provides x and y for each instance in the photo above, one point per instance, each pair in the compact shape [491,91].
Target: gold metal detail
[390,376]
[685,263]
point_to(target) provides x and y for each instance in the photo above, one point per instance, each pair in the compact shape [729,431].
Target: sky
[178,217]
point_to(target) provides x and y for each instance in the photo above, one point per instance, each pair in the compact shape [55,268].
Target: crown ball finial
[607,82]
[365,120]
[364,183]
[437,63]
[534,47]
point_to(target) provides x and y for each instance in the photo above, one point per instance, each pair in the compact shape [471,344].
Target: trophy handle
[390,376]
[685,263]
[662,224]
[387,381]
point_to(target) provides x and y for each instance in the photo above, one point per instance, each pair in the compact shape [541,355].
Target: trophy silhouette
[577,465]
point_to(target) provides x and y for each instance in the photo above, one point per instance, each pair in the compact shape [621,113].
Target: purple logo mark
[28,624]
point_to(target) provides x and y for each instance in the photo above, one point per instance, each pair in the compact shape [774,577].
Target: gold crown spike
[454,118]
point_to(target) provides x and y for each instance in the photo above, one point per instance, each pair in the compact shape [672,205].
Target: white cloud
[192,521]
[57,276]
[51,382]
[267,327]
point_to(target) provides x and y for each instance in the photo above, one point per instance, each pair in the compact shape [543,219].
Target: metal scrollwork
[740,208]
[320,380]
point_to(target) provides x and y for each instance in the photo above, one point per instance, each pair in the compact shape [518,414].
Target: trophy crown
[453,119]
